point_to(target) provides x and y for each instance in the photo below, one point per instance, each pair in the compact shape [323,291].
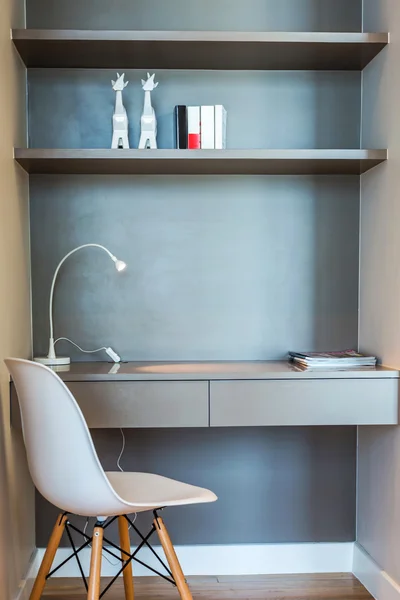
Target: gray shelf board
[225,50]
[199,162]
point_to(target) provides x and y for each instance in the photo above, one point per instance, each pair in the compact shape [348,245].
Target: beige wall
[379,448]
[16,493]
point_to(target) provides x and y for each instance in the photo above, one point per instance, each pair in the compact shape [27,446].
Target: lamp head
[120,265]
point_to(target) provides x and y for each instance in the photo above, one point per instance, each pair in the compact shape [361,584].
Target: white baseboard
[26,584]
[254,559]
[377,581]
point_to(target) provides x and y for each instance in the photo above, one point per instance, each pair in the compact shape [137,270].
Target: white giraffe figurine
[120,118]
[148,122]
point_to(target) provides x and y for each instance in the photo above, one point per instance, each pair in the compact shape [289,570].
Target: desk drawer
[143,404]
[313,402]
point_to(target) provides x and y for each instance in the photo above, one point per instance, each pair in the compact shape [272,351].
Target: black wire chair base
[124,561]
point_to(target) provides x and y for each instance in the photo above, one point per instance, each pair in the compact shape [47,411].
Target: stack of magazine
[347,359]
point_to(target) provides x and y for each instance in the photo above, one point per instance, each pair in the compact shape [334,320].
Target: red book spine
[194,137]
[194,141]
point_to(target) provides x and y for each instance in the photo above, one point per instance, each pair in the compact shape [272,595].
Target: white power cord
[111,353]
[79,348]
[120,468]
[122,450]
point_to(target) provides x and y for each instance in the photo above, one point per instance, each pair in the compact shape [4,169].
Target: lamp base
[58,361]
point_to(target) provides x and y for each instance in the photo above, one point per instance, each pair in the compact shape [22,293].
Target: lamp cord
[122,450]
[79,348]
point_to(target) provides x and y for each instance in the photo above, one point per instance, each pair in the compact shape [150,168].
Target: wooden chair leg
[48,557]
[95,564]
[123,527]
[172,559]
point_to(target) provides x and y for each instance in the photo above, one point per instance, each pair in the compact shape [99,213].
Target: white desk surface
[213,371]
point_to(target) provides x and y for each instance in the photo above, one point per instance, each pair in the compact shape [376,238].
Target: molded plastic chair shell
[63,461]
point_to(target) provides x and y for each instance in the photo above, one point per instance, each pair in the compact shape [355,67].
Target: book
[181,127]
[301,368]
[323,360]
[207,127]
[220,127]
[193,121]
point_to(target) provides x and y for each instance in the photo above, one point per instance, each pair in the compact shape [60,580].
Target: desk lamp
[51,358]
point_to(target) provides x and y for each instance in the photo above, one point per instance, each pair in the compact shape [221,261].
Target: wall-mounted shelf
[197,49]
[235,394]
[201,162]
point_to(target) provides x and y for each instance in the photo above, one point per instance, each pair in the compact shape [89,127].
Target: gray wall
[241,15]
[215,293]
[274,485]
[219,268]
[379,447]
[73,108]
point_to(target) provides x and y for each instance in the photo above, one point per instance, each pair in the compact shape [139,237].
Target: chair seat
[145,491]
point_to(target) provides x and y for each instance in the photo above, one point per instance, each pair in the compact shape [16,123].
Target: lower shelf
[199,162]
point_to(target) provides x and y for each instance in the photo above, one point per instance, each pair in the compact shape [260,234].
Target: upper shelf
[199,162]
[225,50]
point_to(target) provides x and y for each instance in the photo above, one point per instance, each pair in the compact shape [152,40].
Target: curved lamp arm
[119,265]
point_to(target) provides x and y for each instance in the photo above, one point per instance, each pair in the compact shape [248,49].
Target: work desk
[229,394]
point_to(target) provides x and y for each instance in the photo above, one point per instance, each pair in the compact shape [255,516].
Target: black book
[181,129]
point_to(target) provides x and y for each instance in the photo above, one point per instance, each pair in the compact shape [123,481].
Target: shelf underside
[197,49]
[200,162]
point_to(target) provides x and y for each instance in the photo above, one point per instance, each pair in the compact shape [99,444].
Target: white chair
[66,470]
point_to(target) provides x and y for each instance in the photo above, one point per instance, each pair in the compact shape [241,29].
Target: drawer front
[294,402]
[143,404]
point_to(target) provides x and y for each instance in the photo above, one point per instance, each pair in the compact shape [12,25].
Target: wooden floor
[271,587]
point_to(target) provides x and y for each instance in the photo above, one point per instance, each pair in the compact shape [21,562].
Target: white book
[207,127]
[193,120]
[220,127]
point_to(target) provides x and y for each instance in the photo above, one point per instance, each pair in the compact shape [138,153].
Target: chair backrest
[62,459]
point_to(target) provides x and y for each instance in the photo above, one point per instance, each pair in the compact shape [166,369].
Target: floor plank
[341,586]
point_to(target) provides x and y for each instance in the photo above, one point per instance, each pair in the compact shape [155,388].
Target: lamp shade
[120,265]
